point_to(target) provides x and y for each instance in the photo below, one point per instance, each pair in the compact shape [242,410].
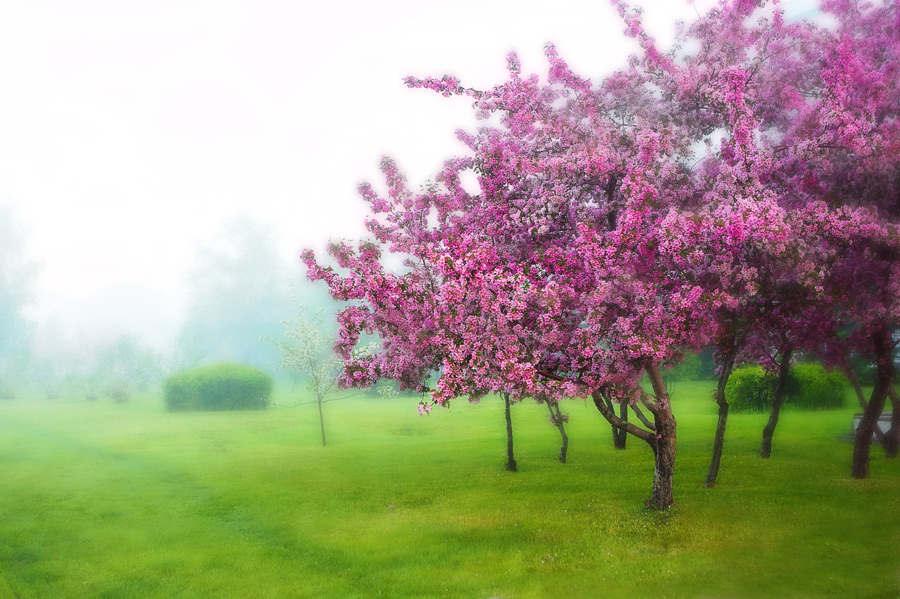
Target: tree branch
[641,417]
[339,398]
[645,399]
[600,402]
[656,381]
[551,376]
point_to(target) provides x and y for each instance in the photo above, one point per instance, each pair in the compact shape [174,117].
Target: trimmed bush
[749,389]
[809,387]
[224,386]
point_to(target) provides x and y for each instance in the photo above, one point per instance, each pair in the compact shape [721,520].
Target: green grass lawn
[126,500]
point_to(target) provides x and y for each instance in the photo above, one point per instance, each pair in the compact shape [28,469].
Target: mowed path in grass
[119,501]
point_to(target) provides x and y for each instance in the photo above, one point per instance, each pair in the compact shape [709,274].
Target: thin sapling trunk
[722,402]
[510,457]
[558,421]
[777,403]
[321,419]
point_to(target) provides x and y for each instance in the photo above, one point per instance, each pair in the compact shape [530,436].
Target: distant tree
[306,350]
[706,368]
[17,274]
[238,294]
[50,374]
[125,367]
[12,367]
[686,370]
[86,381]
[52,360]
[84,377]
[185,354]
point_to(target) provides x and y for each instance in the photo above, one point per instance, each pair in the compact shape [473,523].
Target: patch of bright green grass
[126,500]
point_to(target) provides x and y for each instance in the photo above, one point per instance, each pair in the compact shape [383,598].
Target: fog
[135,138]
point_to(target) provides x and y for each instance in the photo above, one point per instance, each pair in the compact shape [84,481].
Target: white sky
[130,130]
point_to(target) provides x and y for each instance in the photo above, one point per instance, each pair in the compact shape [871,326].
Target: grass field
[126,500]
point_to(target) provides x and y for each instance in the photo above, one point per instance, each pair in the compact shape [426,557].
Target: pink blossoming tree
[809,113]
[721,196]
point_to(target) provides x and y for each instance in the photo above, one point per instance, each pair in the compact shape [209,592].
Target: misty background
[162,164]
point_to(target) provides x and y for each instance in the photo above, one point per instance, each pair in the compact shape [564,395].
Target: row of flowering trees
[741,190]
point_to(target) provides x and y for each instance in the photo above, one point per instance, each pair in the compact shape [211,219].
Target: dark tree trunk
[557,420]
[863,442]
[722,402]
[620,437]
[777,402]
[510,458]
[321,421]
[663,495]
[663,445]
[891,442]
[884,365]
[857,389]
[661,440]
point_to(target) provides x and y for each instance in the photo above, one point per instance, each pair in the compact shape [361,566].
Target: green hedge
[749,389]
[224,386]
[809,387]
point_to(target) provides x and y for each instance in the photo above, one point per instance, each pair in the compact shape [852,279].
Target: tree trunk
[891,440]
[722,401]
[663,495]
[884,365]
[777,402]
[556,419]
[620,437]
[661,440]
[321,421]
[663,445]
[857,389]
[510,458]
